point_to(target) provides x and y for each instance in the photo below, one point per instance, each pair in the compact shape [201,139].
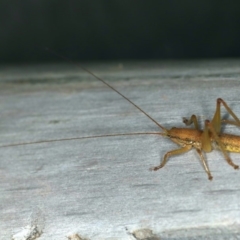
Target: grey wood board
[101,188]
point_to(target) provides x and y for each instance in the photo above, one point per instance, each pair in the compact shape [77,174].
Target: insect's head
[165,132]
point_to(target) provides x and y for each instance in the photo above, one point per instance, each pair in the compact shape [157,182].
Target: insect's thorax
[185,136]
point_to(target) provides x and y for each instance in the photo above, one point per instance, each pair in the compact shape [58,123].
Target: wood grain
[101,188]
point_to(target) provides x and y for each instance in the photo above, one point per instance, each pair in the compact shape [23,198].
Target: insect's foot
[236,167]
[185,120]
[154,168]
[210,177]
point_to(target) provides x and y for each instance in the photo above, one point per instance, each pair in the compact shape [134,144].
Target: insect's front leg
[171,153]
[193,120]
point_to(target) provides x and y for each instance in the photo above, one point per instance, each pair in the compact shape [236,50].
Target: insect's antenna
[79,138]
[108,85]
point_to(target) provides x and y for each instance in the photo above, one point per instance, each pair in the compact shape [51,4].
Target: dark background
[124,29]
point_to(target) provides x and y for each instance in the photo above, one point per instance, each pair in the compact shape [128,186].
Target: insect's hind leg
[210,127]
[171,153]
[226,121]
[204,164]
[216,121]
[193,120]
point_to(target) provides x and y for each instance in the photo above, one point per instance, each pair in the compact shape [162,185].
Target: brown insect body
[184,136]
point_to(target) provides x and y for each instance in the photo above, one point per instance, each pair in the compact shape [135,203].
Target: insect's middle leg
[204,164]
[193,120]
[171,153]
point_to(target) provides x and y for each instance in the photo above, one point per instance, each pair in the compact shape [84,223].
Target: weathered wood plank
[101,188]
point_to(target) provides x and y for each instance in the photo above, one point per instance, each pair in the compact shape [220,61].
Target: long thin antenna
[108,85]
[78,138]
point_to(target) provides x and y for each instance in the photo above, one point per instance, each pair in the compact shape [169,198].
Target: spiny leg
[209,125]
[216,121]
[193,120]
[171,153]
[204,164]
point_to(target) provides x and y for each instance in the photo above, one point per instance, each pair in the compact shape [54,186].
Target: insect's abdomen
[231,142]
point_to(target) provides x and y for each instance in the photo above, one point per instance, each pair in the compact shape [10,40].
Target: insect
[205,140]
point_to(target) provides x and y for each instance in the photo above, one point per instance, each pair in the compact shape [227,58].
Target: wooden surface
[101,188]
